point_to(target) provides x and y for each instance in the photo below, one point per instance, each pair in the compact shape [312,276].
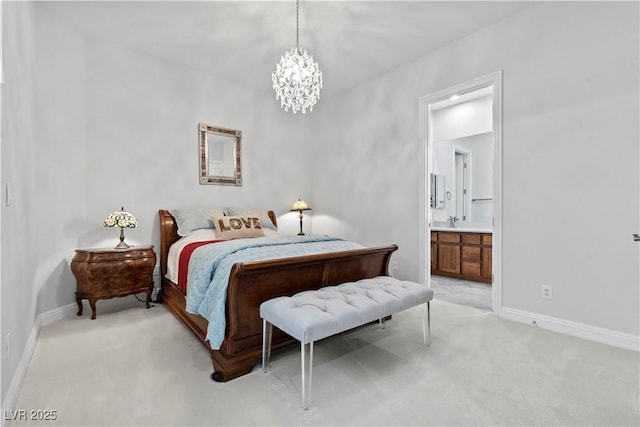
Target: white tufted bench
[313,315]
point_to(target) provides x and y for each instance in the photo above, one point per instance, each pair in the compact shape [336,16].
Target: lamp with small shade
[300,205]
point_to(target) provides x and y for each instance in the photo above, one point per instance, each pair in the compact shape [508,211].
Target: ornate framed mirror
[219,155]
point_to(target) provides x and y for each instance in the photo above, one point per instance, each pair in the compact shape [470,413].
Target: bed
[250,283]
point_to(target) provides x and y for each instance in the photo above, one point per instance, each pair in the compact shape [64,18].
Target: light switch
[8,194]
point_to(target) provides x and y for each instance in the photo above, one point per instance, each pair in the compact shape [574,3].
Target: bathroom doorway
[461,132]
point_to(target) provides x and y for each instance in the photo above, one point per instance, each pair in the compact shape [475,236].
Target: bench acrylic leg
[306,357]
[267,332]
[426,325]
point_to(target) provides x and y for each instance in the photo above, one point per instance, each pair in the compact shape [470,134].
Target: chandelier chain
[298,24]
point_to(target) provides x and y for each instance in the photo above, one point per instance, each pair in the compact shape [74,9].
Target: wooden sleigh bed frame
[252,283]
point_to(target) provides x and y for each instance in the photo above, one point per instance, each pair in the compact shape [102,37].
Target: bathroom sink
[441,224]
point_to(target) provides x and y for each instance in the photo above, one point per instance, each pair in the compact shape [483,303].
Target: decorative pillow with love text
[237,227]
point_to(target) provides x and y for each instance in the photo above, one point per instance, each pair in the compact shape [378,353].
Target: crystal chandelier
[297,80]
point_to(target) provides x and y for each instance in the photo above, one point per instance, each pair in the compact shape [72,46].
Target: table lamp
[300,205]
[123,220]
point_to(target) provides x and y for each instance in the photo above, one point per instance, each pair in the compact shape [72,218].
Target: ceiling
[241,41]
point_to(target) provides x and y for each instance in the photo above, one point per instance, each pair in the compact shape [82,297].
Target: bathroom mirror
[465,165]
[219,155]
[437,191]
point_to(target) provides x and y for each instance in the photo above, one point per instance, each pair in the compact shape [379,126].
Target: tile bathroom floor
[463,292]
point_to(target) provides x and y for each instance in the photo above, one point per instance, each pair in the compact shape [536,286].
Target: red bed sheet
[183,262]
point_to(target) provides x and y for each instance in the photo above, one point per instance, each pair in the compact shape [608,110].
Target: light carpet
[137,367]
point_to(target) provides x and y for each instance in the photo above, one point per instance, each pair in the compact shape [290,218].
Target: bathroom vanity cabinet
[463,255]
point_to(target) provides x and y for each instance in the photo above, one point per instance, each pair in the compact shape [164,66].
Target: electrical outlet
[394,266]
[547,292]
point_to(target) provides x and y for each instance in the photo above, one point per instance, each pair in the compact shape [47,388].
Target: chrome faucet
[452,221]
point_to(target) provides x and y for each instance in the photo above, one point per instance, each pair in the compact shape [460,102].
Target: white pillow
[201,235]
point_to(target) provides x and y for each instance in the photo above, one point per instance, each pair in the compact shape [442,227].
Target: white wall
[570,99]
[19,134]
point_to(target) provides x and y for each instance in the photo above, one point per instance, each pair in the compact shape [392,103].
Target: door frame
[426,166]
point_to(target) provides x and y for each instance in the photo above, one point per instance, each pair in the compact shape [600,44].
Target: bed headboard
[169,235]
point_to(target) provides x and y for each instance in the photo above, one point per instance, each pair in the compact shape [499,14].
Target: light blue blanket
[210,266]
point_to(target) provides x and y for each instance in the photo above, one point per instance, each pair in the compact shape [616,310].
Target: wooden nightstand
[109,273]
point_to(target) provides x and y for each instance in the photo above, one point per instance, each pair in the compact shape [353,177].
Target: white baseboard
[580,330]
[43,319]
[56,314]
